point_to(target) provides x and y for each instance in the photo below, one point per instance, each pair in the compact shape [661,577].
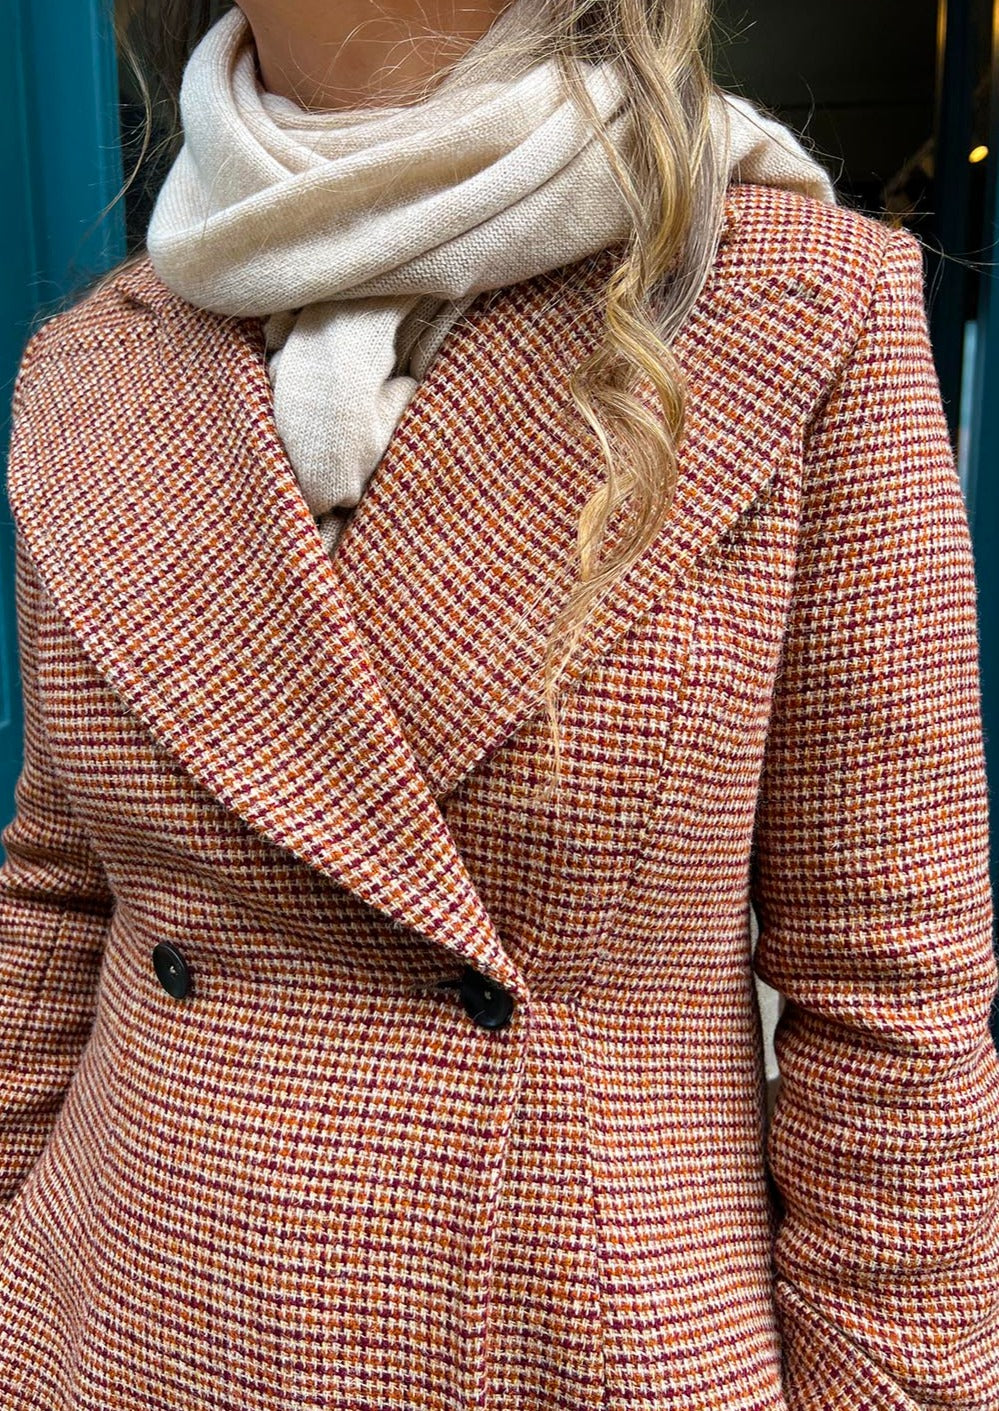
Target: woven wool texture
[314,1182]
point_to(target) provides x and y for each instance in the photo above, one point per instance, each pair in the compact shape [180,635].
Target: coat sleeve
[55,903]
[870,883]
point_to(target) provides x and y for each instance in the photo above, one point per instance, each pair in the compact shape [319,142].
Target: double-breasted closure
[440,1094]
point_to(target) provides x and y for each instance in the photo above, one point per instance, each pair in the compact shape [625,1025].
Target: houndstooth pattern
[314,1182]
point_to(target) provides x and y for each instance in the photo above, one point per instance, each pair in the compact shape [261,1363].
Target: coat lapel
[334,704]
[459,554]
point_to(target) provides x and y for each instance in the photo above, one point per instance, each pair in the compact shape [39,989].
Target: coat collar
[335,704]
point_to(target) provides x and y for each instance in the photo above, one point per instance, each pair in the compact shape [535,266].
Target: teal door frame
[60,163]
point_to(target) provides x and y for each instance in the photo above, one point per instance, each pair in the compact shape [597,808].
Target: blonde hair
[675,190]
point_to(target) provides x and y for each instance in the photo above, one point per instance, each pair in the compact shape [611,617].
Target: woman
[498,532]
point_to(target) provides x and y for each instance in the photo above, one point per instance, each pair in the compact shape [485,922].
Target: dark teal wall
[983,480]
[60,162]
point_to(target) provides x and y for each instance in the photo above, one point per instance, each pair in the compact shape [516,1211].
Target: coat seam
[599,1261]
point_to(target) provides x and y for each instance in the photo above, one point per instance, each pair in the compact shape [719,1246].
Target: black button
[171,970]
[485,1002]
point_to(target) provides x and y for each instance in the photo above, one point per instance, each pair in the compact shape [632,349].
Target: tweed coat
[305,1170]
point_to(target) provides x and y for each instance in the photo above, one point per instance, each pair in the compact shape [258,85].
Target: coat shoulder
[774,231]
[78,370]
[785,251]
[117,305]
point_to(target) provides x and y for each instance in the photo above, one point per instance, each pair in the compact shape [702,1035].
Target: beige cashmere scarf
[362,235]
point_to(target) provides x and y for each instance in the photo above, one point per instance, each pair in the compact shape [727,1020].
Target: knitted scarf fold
[361,235]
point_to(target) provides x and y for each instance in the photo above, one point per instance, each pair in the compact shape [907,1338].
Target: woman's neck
[330,54]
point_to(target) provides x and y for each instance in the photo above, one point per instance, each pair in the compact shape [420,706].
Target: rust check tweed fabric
[315,1181]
